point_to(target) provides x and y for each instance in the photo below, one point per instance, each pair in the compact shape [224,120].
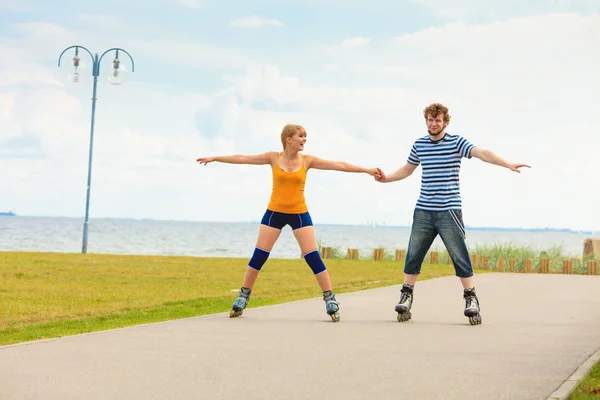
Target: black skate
[405,303]
[472,310]
[240,303]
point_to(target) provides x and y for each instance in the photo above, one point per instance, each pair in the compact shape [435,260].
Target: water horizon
[145,236]
[365,224]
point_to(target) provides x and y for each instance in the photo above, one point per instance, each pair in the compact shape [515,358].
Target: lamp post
[116,76]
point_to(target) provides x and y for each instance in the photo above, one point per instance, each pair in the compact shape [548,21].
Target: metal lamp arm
[70,47]
[119,49]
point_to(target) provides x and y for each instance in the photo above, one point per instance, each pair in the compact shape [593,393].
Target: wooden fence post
[484,262]
[433,257]
[512,263]
[500,265]
[527,265]
[592,268]
[352,254]
[378,254]
[400,255]
[325,252]
[544,266]
[567,267]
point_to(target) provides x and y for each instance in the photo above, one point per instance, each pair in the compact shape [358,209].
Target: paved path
[537,330]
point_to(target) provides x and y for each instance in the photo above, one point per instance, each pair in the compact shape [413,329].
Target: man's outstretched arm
[489,156]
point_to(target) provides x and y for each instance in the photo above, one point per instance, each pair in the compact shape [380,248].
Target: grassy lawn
[589,387]
[49,295]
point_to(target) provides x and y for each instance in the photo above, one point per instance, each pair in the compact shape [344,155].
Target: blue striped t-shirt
[440,161]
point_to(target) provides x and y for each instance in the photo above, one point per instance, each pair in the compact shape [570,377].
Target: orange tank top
[288,190]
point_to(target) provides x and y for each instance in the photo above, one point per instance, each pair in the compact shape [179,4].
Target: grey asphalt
[537,330]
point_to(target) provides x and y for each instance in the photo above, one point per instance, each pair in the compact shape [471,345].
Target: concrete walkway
[537,330]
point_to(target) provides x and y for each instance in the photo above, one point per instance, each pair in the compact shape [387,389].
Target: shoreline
[367,224]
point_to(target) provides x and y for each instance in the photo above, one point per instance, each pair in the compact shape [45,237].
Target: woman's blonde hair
[289,130]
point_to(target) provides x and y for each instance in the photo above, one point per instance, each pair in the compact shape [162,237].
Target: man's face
[435,125]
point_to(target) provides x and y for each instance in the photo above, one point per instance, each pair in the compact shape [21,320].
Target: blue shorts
[279,220]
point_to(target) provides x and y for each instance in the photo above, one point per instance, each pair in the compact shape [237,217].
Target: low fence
[541,265]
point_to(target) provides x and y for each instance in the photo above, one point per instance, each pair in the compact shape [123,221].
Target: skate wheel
[403,317]
[335,317]
[475,320]
[234,313]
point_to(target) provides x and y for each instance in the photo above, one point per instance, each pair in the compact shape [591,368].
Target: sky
[224,77]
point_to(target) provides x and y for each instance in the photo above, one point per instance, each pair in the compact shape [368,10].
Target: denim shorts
[425,228]
[279,220]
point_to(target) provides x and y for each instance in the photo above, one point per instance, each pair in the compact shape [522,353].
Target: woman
[288,207]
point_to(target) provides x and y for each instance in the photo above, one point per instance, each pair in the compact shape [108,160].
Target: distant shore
[366,224]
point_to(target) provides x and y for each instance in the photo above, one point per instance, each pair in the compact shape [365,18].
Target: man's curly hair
[436,109]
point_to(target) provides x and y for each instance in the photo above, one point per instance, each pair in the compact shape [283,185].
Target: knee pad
[258,259]
[313,259]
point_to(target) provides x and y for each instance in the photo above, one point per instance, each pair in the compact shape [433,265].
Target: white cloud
[255,22]
[19,69]
[390,70]
[448,9]
[40,40]
[10,127]
[103,21]
[26,73]
[460,10]
[42,29]
[194,4]
[12,5]
[267,83]
[523,88]
[188,52]
[525,56]
[355,42]
[511,86]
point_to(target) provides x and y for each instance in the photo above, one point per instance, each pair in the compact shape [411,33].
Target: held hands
[205,160]
[380,176]
[374,172]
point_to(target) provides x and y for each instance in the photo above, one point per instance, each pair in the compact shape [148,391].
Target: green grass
[49,295]
[589,387]
[555,254]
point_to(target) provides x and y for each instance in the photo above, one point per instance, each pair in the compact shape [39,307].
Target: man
[439,209]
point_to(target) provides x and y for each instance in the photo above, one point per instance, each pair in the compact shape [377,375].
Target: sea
[237,239]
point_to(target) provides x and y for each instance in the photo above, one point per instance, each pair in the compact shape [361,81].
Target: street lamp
[115,76]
